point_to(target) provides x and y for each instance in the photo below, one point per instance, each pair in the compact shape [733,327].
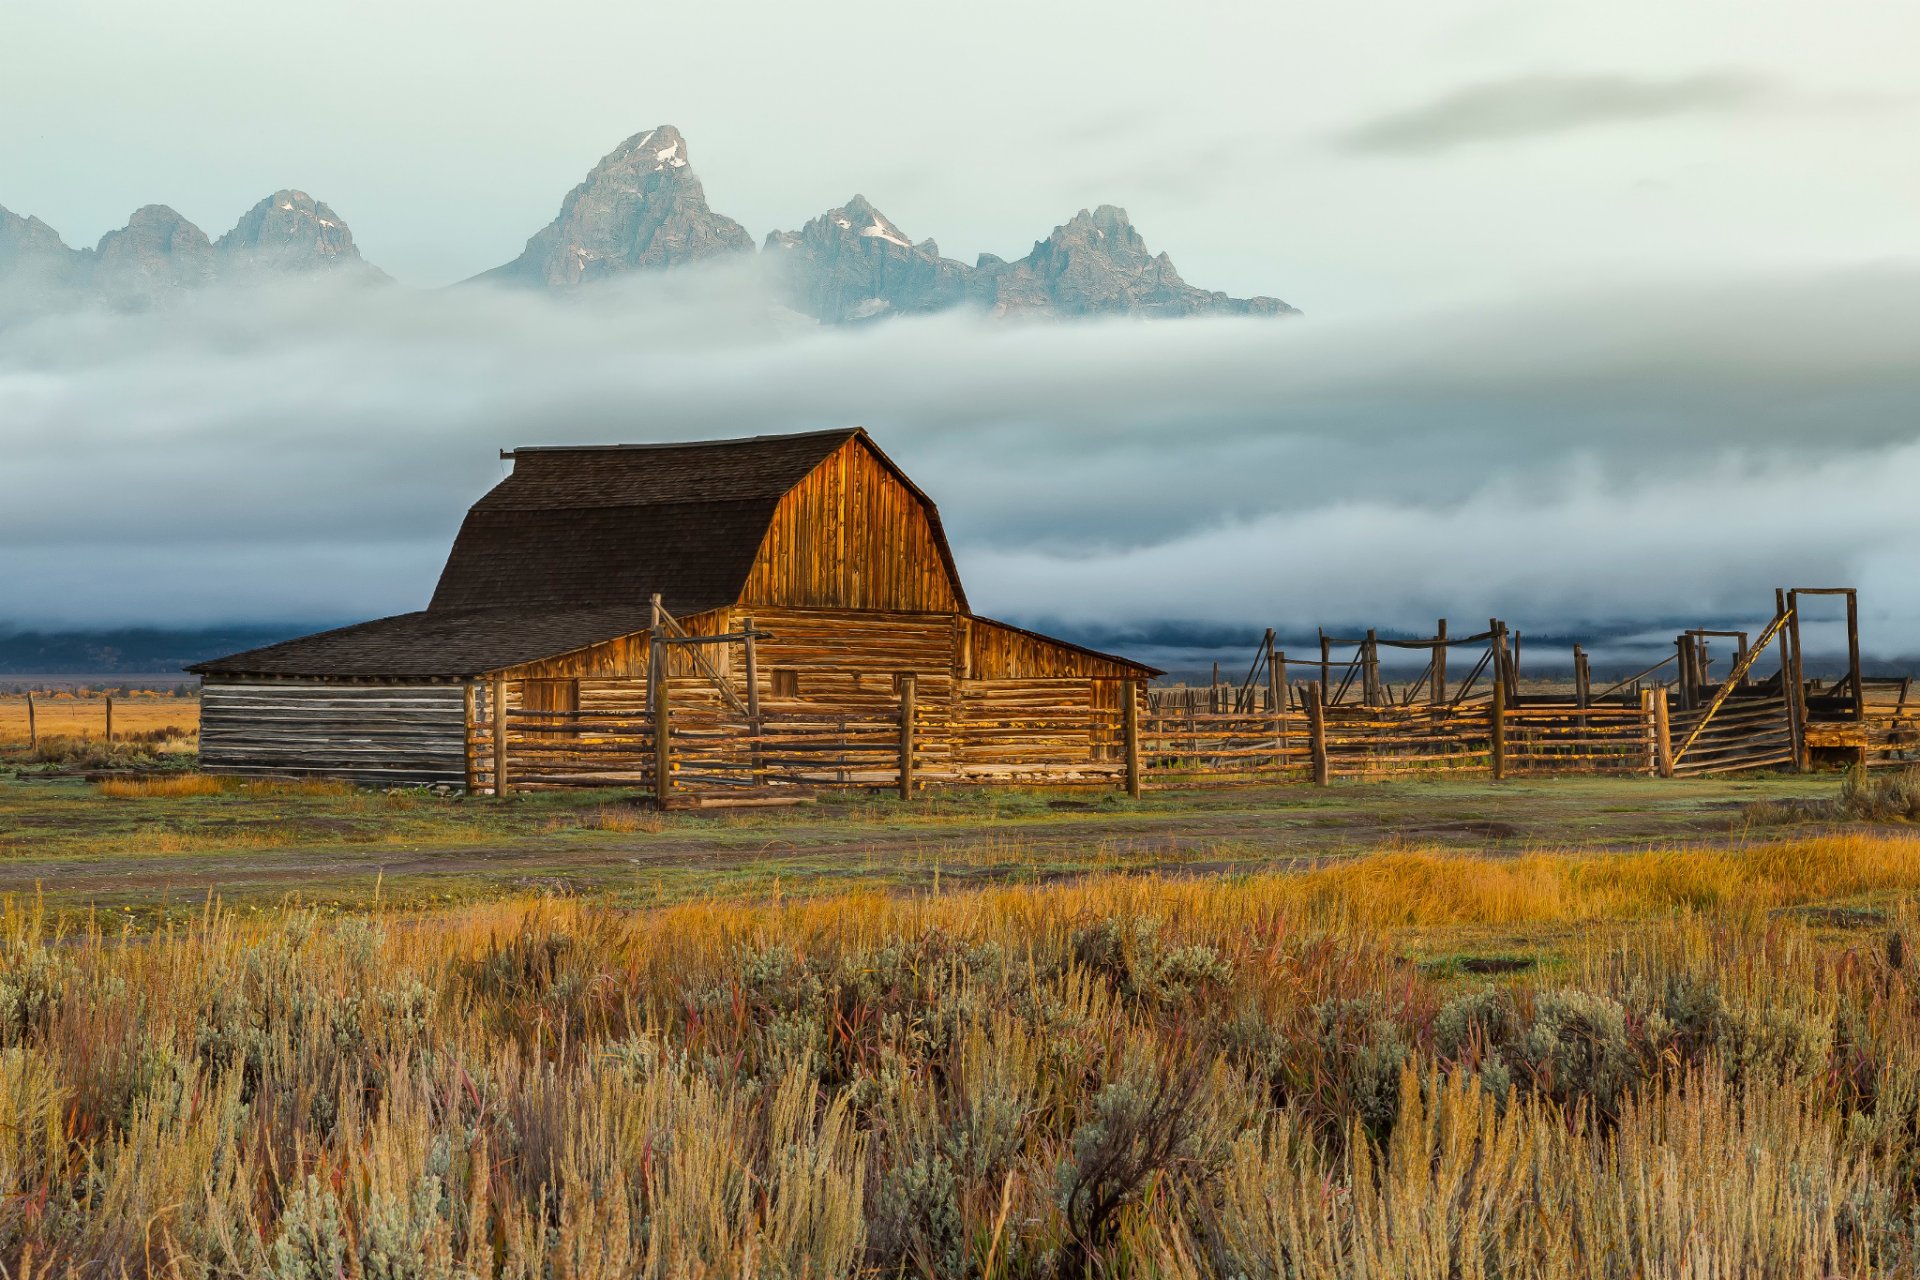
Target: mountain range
[641,209]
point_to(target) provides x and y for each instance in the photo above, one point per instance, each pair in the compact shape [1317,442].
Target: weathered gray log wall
[374,734]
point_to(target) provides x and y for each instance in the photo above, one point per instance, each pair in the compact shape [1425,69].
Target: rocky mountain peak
[27,234]
[33,254]
[289,231]
[854,263]
[158,252]
[640,208]
[1098,263]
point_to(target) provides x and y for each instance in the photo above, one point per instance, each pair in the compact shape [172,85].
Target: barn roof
[436,643]
[569,549]
[612,524]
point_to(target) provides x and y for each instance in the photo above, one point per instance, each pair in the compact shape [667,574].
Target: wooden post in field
[1130,731]
[1437,695]
[1370,670]
[33,732]
[1582,682]
[1277,699]
[1497,645]
[1799,674]
[499,710]
[1499,718]
[1662,734]
[1853,658]
[109,717]
[1317,734]
[1326,667]
[470,766]
[659,675]
[1789,692]
[906,737]
[754,723]
[1648,726]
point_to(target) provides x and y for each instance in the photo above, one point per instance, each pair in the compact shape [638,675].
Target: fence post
[658,680]
[1796,720]
[1437,694]
[1646,729]
[1130,730]
[1499,730]
[33,732]
[499,736]
[1799,680]
[1662,734]
[109,717]
[906,737]
[1277,696]
[754,722]
[471,714]
[1317,734]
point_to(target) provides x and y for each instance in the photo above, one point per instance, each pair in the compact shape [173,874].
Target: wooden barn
[787,606]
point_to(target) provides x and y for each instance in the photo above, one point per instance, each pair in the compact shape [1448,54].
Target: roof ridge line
[683,444]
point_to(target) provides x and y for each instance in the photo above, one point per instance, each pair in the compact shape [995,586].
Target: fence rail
[1067,733]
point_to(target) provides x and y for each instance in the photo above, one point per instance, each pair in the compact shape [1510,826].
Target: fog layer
[1597,464]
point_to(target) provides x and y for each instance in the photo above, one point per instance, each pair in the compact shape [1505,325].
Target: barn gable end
[855,534]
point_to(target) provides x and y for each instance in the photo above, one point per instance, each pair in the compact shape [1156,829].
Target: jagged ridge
[641,208]
[159,252]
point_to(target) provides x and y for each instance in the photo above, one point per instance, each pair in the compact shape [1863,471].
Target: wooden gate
[1736,730]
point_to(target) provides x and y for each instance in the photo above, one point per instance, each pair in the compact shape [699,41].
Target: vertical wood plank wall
[852,536]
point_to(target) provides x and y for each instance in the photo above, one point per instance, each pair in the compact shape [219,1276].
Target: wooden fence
[1016,733]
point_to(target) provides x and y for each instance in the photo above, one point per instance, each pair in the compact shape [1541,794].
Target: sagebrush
[1124,1076]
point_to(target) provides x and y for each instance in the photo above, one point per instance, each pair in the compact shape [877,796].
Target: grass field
[1435,1029]
[159,852]
[85,716]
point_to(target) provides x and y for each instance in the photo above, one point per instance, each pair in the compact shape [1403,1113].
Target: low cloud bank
[1602,465]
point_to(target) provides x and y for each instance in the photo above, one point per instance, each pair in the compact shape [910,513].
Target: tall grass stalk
[1124,1076]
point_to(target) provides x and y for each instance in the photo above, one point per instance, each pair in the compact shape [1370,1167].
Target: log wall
[396,734]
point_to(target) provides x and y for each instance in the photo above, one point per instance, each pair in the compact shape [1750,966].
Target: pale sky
[1609,311]
[1349,158]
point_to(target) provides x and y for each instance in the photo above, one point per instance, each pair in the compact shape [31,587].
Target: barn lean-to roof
[568,550]
[435,644]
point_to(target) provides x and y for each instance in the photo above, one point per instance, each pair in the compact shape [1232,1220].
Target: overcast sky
[1610,315]
[1363,155]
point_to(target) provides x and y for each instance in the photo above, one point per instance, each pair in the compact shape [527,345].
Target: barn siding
[381,733]
[995,651]
[851,535]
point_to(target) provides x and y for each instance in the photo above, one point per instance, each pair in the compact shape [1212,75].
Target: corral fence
[1172,738]
[695,738]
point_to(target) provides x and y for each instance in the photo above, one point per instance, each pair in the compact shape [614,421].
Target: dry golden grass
[173,786]
[1203,1078]
[168,786]
[68,716]
[609,818]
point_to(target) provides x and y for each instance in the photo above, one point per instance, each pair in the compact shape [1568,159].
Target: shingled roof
[435,644]
[568,551]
